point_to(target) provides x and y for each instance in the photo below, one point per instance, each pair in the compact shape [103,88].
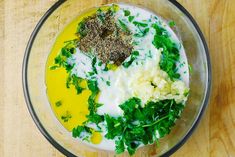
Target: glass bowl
[39,47]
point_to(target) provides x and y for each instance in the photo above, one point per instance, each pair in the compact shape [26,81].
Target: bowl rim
[51,139]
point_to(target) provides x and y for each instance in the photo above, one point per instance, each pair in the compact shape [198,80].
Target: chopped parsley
[54,67]
[61,61]
[171,23]
[139,125]
[190,69]
[66,116]
[82,132]
[133,56]
[65,53]
[92,117]
[108,83]
[95,118]
[131,18]
[92,105]
[127,12]
[81,29]
[143,29]
[100,15]
[58,103]
[142,33]
[123,26]
[170,54]
[140,24]
[76,82]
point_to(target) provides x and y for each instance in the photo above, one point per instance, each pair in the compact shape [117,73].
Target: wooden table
[215,136]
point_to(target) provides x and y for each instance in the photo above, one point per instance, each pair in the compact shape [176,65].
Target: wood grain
[222,45]
[2,72]
[215,135]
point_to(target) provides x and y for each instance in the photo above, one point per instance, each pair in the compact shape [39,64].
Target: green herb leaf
[66,116]
[76,132]
[131,148]
[170,54]
[81,29]
[65,53]
[119,148]
[142,33]
[114,126]
[100,15]
[95,118]
[108,83]
[93,86]
[131,18]
[190,69]
[93,63]
[92,105]
[76,82]
[171,23]
[123,26]
[140,24]
[133,56]
[127,12]
[58,103]
[82,132]
[130,105]
[54,67]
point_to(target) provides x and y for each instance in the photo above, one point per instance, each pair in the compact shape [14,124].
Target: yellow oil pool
[65,102]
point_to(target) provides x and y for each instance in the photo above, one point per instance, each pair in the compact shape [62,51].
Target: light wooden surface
[215,135]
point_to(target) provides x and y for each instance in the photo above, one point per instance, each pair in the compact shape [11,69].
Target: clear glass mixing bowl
[38,49]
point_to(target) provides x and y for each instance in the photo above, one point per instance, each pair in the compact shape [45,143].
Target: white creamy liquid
[134,80]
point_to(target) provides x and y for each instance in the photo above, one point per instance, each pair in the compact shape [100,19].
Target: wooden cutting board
[215,135]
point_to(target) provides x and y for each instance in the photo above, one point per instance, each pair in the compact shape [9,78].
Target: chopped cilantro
[92,117]
[142,33]
[92,104]
[81,29]
[186,93]
[139,125]
[131,18]
[127,12]
[54,67]
[115,126]
[82,132]
[123,26]
[135,43]
[108,83]
[100,63]
[100,15]
[142,29]
[66,116]
[190,69]
[58,103]
[114,8]
[93,63]
[133,56]
[105,68]
[93,86]
[171,23]
[120,147]
[170,54]
[76,82]
[66,52]
[150,54]
[140,24]
[95,118]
